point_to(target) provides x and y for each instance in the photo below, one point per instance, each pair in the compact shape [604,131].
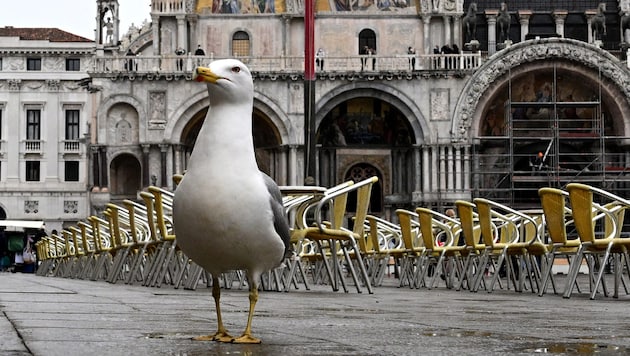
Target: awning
[30,224]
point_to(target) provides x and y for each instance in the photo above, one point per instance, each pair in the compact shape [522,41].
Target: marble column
[589,20]
[96,175]
[104,171]
[417,171]
[447,30]
[182,32]
[293,162]
[491,18]
[523,19]
[146,174]
[164,182]
[155,28]
[559,17]
[457,32]
[426,22]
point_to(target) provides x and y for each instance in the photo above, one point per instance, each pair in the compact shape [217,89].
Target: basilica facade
[442,99]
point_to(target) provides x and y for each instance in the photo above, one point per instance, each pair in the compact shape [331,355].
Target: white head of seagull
[228,80]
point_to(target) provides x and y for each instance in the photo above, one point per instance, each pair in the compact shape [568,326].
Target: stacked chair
[336,241]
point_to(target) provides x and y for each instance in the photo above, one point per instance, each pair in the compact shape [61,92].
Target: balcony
[32,146]
[70,146]
[168,65]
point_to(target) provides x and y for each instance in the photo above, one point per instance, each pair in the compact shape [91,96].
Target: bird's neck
[226,138]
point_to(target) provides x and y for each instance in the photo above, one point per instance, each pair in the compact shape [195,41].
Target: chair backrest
[408,230]
[467,217]
[501,222]
[149,204]
[339,199]
[553,202]
[162,204]
[382,234]
[587,214]
[434,224]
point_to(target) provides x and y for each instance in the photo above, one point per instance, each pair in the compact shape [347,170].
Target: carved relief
[439,104]
[53,84]
[70,206]
[31,206]
[14,84]
[567,49]
[157,108]
[16,64]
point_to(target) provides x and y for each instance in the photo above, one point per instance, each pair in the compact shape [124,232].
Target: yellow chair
[440,234]
[332,236]
[509,233]
[606,219]
[469,223]
[384,238]
[409,256]
[557,218]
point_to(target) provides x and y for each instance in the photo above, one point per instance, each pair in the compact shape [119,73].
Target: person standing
[319,59]
[412,57]
[180,61]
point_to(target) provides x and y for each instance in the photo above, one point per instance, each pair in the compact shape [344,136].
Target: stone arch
[105,108]
[199,102]
[383,92]
[469,107]
[125,172]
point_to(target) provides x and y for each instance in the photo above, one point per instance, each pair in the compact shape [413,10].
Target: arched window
[240,44]
[367,37]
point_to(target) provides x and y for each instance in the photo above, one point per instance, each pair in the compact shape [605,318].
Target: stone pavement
[51,316]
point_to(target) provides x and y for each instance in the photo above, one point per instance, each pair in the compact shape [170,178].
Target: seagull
[227,214]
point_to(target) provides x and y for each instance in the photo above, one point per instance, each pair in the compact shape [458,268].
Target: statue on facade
[470,25]
[503,22]
[598,23]
[625,26]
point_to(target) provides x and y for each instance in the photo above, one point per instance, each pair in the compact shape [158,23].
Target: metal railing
[288,64]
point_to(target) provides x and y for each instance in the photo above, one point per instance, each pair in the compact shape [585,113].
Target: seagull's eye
[236,69]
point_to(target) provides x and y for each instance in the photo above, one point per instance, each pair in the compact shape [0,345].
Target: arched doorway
[365,131]
[548,124]
[362,171]
[125,177]
[367,38]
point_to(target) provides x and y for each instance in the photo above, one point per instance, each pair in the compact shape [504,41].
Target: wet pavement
[54,316]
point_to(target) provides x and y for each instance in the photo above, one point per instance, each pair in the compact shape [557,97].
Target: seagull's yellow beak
[203,74]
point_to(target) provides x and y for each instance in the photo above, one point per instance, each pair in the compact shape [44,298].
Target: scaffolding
[549,142]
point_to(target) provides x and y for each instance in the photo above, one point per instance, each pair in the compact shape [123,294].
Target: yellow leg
[221,334]
[247,337]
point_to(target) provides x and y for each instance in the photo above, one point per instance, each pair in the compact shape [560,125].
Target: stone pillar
[457,32]
[177,159]
[589,20]
[523,19]
[450,169]
[104,170]
[417,164]
[426,22]
[292,170]
[182,33]
[426,170]
[155,28]
[96,171]
[193,39]
[457,160]
[163,162]
[146,174]
[440,159]
[447,30]
[559,16]
[491,18]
